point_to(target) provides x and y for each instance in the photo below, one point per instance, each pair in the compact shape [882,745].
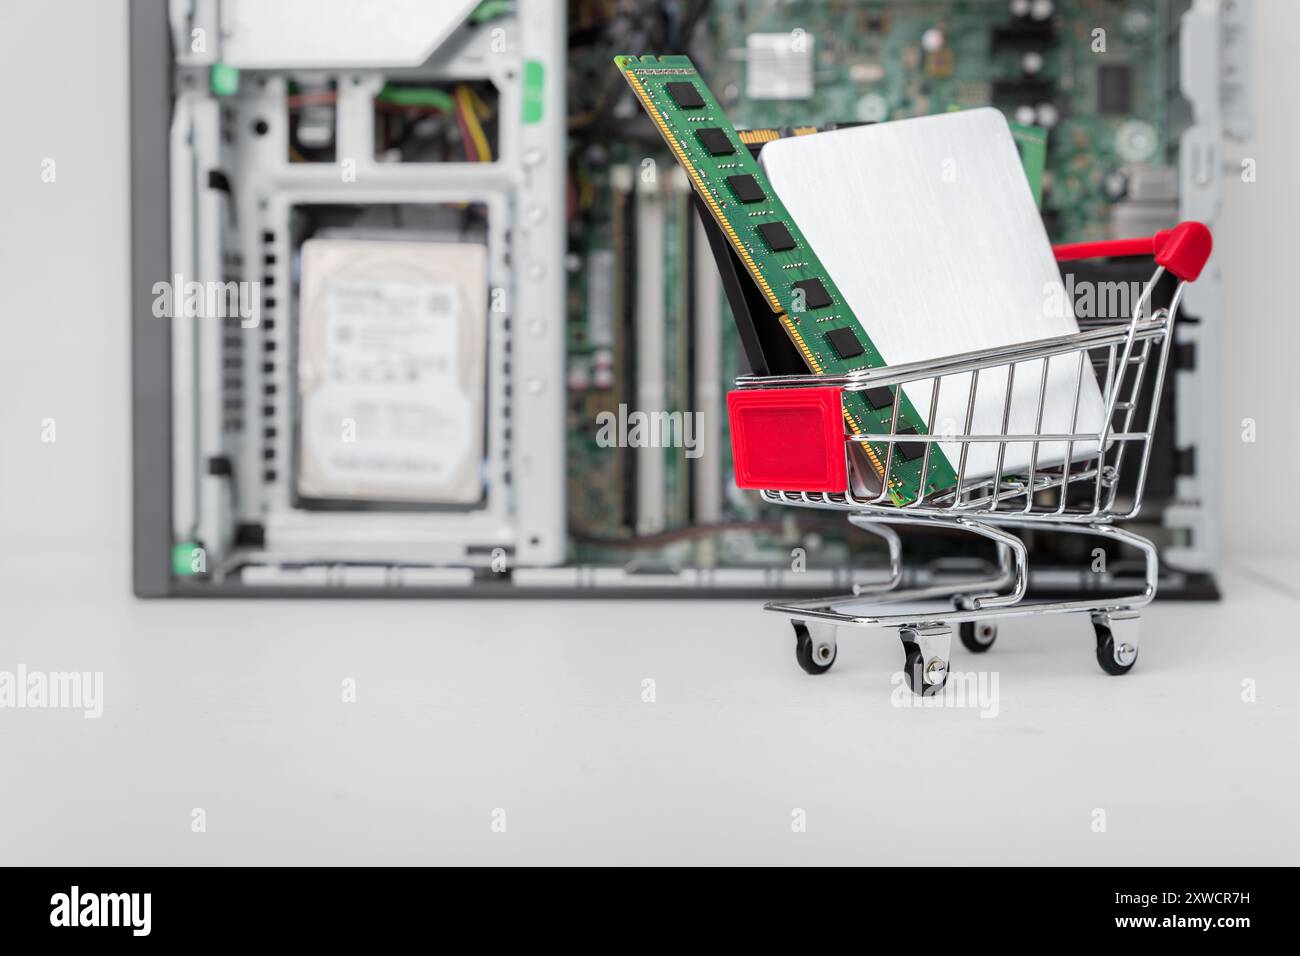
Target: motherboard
[1092,75]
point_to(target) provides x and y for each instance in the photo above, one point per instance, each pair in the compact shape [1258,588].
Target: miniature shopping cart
[789,441]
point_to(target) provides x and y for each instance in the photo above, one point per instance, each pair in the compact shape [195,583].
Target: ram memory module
[800,292]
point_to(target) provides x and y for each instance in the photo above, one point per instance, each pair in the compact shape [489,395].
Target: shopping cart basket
[788,441]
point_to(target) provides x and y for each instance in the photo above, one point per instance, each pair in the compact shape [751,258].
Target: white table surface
[535,708]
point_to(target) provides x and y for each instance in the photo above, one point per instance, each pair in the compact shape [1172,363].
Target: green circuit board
[802,296]
[1102,119]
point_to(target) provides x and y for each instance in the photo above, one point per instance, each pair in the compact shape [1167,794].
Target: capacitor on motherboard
[602,368]
[579,374]
[1114,185]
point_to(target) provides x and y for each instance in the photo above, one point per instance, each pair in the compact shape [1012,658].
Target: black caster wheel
[978,636]
[915,671]
[1111,662]
[815,657]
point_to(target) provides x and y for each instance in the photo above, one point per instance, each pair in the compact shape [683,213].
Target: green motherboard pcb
[1099,139]
[800,292]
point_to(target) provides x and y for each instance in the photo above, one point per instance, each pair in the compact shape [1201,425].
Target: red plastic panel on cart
[790,439]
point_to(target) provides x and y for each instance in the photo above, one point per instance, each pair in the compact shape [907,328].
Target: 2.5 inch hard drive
[391,367]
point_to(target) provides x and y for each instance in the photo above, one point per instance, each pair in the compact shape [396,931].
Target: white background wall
[64,298]
[64,255]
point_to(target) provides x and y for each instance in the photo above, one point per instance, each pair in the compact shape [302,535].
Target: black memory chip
[777,236]
[845,343]
[685,95]
[909,450]
[1114,89]
[746,188]
[715,141]
[882,396]
[815,296]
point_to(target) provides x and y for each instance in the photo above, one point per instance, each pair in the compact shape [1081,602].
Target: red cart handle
[1182,250]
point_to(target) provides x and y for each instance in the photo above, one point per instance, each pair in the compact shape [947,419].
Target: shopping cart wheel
[978,636]
[815,649]
[1117,641]
[925,657]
